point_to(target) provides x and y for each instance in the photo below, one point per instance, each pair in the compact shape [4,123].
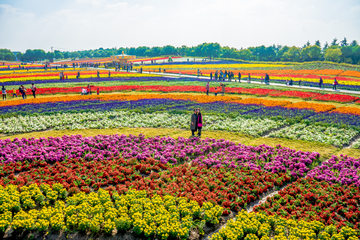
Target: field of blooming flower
[133,187]
[125,185]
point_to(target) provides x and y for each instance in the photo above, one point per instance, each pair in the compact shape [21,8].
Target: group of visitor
[22,91]
[335,83]
[87,90]
[221,76]
[62,75]
[196,122]
[220,89]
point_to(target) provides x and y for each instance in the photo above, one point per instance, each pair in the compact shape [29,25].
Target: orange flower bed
[348,110]
[350,74]
[304,71]
[329,72]
[317,107]
[121,97]
[265,102]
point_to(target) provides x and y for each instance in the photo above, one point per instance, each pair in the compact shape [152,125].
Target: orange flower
[265,102]
[304,71]
[348,110]
[350,74]
[329,72]
[317,107]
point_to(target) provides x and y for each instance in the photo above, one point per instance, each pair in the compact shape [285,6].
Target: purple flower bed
[343,169]
[211,152]
[279,159]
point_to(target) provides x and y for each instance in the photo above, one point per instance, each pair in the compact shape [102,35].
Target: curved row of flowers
[19,155]
[248,124]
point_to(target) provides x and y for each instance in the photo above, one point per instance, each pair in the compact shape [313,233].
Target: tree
[50,55]
[344,42]
[325,46]
[6,54]
[354,43]
[66,54]
[73,55]
[34,55]
[333,54]
[293,54]
[228,52]
[311,53]
[155,51]
[317,43]
[280,54]
[334,42]
[168,50]
[140,51]
[19,56]
[244,54]
[59,55]
[9,56]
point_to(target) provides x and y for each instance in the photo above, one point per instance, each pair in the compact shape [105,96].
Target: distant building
[123,58]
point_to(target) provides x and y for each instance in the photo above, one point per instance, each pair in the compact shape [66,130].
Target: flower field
[138,187]
[117,184]
[252,116]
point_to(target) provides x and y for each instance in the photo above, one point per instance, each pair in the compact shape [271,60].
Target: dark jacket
[194,120]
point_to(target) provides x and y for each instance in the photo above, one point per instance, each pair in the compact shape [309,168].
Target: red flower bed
[231,188]
[336,98]
[295,94]
[308,199]
[78,172]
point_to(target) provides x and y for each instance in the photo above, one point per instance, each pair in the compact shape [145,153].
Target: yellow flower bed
[39,70]
[40,77]
[316,80]
[257,226]
[215,66]
[45,207]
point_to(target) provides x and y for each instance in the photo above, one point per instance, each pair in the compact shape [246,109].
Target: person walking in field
[23,89]
[3,91]
[89,89]
[207,88]
[211,76]
[199,122]
[320,82]
[239,76]
[33,90]
[222,89]
[14,93]
[300,83]
[78,75]
[97,91]
[194,123]
[335,84]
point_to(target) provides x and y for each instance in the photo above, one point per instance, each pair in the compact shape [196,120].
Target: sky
[71,25]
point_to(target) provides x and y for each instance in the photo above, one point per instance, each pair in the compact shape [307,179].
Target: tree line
[337,51]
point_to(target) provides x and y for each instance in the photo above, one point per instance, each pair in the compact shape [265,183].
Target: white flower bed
[116,119]
[329,135]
